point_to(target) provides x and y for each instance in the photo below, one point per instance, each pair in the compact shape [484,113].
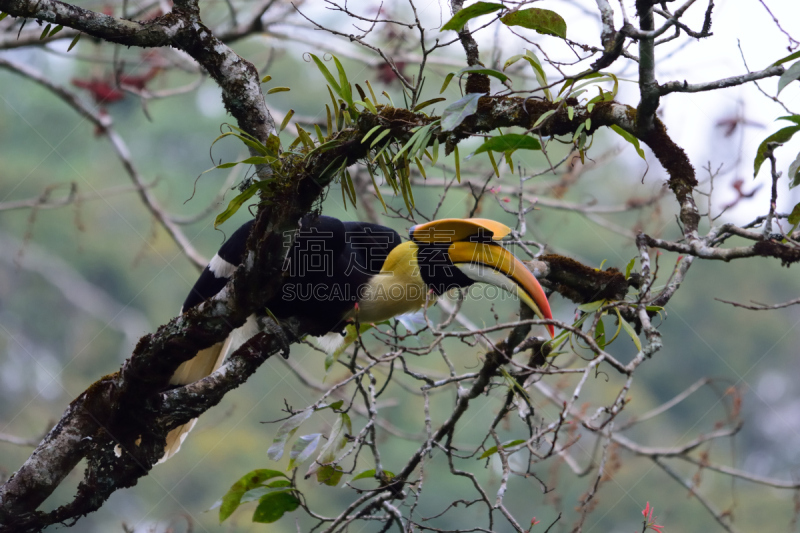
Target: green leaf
[794,216]
[570,112]
[781,136]
[364,475]
[630,138]
[794,173]
[405,185]
[795,55]
[45,31]
[791,74]
[74,42]
[509,142]
[238,201]
[278,90]
[629,268]
[371,92]
[304,136]
[329,120]
[366,137]
[327,74]
[591,307]
[511,60]
[578,133]
[426,103]
[455,113]
[255,160]
[600,334]
[543,21]
[447,81]
[336,111]
[249,141]
[347,91]
[320,136]
[377,192]
[493,450]
[3,15]
[385,164]
[457,159]
[329,475]
[286,120]
[791,118]
[544,116]
[286,430]
[630,331]
[492,160]
[251,480]
[335,405]
[483,70]
[421,132]
[541,77]
[55,30]
[337,439]
[367,105]
[302,449]
[421,168]
[380,136]
[475,10]
[351,188]
[271,507]
[591,79]
[266,78]
[256,493]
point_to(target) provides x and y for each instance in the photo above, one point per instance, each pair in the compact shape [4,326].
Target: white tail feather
[201,365]
[330,342]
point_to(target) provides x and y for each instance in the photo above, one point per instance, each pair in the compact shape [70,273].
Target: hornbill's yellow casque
[340,272]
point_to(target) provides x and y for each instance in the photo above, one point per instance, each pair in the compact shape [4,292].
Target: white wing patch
[221,268]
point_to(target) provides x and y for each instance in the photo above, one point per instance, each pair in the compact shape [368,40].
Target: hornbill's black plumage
[340,272]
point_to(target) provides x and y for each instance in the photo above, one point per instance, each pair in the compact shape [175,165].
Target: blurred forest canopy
[107,127]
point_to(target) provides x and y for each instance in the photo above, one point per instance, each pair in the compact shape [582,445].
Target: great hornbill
[340,272]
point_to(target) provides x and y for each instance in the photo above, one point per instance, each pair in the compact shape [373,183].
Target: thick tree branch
[155,33]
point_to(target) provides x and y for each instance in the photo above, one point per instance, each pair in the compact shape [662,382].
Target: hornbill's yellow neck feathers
[337,272]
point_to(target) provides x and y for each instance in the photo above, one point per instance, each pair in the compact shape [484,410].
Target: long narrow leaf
[458,163]
[347,91]
[377,189]
[380,136]
[327,74]
[366,137]
[286,120]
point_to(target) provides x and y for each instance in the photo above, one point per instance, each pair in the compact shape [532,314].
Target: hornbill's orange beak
[491,263]
[477,257]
